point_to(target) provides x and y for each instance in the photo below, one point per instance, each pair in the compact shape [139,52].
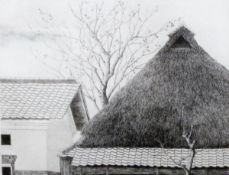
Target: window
[181,43]
[6,171]
[6,139]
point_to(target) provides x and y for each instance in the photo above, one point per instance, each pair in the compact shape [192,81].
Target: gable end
[79,110]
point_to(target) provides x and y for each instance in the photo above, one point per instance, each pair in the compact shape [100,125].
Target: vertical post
[81,171]
[157,171]
[107,172]
[0,145]
[65,165]
[13,164]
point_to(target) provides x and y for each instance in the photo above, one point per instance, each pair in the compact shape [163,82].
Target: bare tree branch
[108,46]
[187,133]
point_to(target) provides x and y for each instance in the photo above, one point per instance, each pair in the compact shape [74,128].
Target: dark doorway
[6,171]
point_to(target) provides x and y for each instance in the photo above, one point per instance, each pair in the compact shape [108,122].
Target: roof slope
[36,99]
[180,87]
[148,157]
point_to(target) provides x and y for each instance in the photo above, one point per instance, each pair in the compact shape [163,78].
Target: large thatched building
[181,89]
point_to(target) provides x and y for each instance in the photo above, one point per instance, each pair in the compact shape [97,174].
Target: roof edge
[71,81]
[182,30]
[84,102]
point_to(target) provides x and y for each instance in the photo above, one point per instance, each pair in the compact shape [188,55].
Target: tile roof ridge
[15,80]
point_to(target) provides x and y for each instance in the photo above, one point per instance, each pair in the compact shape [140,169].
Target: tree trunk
[188,172]
[104,98]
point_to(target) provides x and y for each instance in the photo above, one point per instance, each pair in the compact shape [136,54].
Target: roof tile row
[35,99]
[152,157]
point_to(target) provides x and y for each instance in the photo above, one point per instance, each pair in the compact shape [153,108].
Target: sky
[22,33]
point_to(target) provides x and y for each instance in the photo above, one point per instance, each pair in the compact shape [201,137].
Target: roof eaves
[147,156]
[69,81]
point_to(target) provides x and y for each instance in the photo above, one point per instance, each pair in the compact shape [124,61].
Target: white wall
[61,133]
[37,143]
[28,142]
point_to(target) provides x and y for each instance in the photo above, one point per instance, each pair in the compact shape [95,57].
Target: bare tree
[110,47]
[186,163]
[191,144]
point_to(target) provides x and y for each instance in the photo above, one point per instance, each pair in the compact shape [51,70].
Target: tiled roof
[35,99]
[151,157]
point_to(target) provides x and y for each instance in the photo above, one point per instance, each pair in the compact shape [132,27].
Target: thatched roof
[181,86]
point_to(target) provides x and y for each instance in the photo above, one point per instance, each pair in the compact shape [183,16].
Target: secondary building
[39,118]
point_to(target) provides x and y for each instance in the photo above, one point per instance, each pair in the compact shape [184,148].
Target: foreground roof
[36,99]
[147,157]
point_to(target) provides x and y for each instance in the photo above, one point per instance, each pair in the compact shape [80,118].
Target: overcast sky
[22,34]
[209,20]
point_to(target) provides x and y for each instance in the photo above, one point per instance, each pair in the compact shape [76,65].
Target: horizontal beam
[144,170]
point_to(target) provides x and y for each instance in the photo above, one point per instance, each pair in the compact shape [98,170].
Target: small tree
[109,47]
[187,134]
[191,145]
[187,167]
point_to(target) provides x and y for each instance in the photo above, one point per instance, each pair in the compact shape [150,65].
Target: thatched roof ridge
[184,33]
[180,87]
[182,30]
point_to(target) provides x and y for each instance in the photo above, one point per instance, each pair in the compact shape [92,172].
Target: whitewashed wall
[37,143]
[28,142]
[60,136]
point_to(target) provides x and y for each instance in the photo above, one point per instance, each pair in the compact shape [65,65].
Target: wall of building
[61,134]
[28,143]
[37,143]
[144,170]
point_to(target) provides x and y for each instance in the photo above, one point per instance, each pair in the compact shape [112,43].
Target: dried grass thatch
[180,87]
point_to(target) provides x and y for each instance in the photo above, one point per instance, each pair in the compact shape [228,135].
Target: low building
[173,116]
[39,118]
[154,161]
